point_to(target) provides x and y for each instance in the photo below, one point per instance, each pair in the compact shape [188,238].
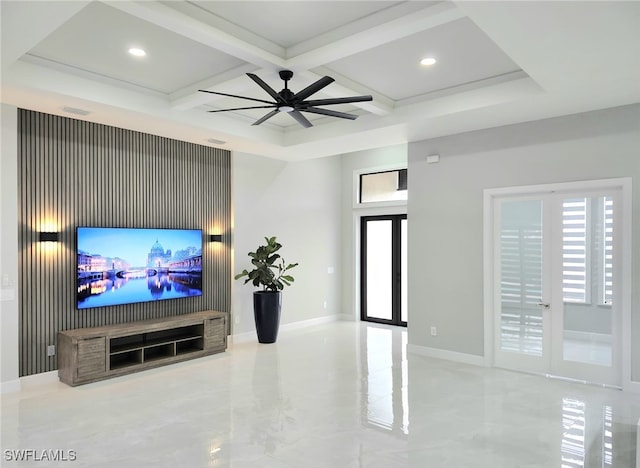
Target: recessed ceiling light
[216,142]
[427,61]
[137,52]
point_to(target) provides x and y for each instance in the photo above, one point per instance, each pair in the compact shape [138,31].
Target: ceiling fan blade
[266,87]
[235,96]
[301,119]
[265,117]
[342,100]
[242,108]
[313,88]
[332,113]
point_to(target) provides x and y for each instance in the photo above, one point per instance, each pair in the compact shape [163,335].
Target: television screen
[126,265]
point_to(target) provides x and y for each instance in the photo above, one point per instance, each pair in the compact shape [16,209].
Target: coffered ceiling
[497,63]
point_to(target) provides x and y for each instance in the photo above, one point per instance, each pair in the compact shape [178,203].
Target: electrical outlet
[434,331]
[51,350]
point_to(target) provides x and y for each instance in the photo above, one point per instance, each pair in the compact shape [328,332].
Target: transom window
[383,186]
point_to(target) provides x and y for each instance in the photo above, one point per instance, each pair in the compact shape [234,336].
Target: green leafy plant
[270,269]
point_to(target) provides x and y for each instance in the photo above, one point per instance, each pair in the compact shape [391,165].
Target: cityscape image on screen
[128,265]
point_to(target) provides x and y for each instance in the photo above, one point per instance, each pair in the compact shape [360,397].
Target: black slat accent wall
[75,173]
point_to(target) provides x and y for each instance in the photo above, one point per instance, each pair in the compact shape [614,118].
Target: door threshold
[585,382]
[560,377]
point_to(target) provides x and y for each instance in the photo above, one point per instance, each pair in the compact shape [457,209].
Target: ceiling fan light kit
[294,103]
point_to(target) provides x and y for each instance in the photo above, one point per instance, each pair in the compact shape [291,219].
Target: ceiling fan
[295,103]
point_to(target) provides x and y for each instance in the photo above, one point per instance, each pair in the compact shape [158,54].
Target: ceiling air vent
[75,110]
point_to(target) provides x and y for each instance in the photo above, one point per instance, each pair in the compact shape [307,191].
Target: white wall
[373,160]
[9,250]
[299,203]
[445,210]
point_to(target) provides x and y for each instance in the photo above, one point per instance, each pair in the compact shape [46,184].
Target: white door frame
[623,184]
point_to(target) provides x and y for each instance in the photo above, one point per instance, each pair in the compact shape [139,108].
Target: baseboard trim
[346,318]
[35,380]
[447,355]
[241,337]
[29,382]
[286,328]
[11,386]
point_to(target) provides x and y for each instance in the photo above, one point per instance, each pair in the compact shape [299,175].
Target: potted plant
[270,273]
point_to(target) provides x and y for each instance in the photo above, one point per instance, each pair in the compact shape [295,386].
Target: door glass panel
[521,329]
[403,271]
[574,250]
[587,246]
[379,268]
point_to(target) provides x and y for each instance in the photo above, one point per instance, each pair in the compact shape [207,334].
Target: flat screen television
[127,265]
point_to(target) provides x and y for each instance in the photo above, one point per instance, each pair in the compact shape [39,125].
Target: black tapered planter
[266,312]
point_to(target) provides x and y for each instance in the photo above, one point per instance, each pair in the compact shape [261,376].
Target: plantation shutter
[608,251]
[521,264]
[574,250]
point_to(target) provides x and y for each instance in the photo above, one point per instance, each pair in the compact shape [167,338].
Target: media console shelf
[90,354]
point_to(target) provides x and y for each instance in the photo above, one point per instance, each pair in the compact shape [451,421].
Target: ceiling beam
[415,22]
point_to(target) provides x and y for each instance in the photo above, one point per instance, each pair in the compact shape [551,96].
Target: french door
[556,284]
[383,295]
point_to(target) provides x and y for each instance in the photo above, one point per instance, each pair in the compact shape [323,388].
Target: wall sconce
[48,236]
[215,237]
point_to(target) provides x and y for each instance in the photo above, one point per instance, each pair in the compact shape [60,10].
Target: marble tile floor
[342,394]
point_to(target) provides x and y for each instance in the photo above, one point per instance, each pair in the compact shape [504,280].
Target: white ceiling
[498,63]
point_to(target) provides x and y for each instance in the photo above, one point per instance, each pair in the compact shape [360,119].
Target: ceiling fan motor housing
[285,75]
[286,94]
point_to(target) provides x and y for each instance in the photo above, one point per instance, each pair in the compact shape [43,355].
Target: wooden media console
[90,354]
